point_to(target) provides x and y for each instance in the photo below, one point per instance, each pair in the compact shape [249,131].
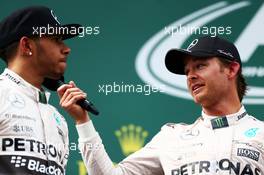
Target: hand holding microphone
[72,99]
[84,103]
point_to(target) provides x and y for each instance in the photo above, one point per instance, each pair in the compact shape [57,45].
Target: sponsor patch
[22,128]
[251,132]
[251,154]
[219,122]
[18,116]
[223,166]
[19,164]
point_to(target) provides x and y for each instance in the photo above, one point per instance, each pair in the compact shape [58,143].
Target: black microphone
[53,85]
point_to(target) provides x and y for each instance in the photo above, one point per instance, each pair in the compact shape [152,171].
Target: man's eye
[200,66]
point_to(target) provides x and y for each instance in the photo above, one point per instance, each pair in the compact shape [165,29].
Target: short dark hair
[9,51]
[241,84]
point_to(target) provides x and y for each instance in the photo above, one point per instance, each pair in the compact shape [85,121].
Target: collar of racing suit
[216,122]
[32,92]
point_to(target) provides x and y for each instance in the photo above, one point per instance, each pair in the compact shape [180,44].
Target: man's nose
[66,50]
[191,75]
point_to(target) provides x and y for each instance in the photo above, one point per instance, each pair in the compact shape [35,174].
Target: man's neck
[28,75]
[222,109]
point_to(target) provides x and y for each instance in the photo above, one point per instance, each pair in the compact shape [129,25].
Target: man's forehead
[189,59]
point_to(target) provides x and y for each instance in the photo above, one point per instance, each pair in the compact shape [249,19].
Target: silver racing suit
[232,144]
[33,135]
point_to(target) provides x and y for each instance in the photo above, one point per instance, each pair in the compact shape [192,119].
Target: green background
[110,57]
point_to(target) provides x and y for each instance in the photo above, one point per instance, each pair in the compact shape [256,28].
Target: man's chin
[198,98]
[56,76]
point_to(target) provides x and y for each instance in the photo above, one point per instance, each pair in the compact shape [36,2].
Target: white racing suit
[232,144]
[33,135]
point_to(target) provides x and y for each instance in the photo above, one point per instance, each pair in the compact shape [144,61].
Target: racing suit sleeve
[143,162]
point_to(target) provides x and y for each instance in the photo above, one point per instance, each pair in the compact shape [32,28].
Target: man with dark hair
[33,134]
[224,140]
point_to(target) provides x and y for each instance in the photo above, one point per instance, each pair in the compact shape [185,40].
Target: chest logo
[254,155]
[251,132]
[16,100]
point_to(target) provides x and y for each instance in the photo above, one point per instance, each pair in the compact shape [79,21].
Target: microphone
[53,85]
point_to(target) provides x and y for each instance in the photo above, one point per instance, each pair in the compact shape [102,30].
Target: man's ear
[26,46]
[233,69]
